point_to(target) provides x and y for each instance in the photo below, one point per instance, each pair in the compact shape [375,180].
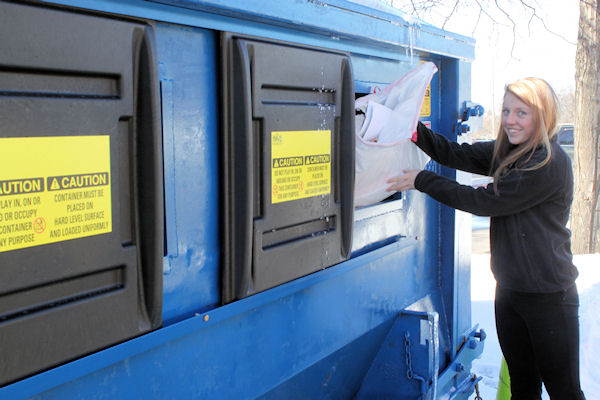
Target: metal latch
[471,120]
[457,373]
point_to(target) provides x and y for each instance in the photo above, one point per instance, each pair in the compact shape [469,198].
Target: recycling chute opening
[385,123]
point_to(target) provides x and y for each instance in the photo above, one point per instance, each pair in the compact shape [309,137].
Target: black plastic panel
[279,222]
[66,75]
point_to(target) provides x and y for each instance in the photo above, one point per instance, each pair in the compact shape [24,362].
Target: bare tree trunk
[586,208]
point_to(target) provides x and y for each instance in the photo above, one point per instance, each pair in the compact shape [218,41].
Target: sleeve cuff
[421,179]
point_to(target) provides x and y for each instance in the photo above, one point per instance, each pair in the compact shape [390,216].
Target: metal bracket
[471,120]
[407,364]
[429,337]
[457,373]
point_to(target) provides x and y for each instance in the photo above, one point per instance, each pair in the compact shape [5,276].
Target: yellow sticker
[53,189]
[426,106]
[300,164]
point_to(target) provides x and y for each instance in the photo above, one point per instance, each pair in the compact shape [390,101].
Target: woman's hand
[403,182]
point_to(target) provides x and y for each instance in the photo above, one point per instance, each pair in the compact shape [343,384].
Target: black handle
[238,166]
[346,157]
[149,175]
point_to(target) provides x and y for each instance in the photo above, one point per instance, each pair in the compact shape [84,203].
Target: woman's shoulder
[558,151]
[558,156]
[556,168]
[561,161]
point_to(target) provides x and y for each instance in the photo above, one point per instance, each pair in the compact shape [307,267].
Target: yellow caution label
[53,189]
[426,106]
[77,181]
[300,164]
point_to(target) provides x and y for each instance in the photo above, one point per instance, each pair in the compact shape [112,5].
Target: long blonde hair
[542,100]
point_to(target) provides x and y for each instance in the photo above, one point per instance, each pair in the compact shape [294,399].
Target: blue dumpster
[177,215]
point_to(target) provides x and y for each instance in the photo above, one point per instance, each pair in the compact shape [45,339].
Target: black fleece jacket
[530,244]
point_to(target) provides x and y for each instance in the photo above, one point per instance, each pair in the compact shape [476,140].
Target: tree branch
[535,15]
[514,29]
[450,15]
[481,11]
[414,7]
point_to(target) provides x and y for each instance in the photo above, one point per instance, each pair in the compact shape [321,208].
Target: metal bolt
[481,335]
[460,367]
[206,317]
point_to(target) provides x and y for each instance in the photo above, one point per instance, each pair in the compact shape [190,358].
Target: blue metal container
[390,318]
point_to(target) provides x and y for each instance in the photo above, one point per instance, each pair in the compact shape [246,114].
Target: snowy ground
[482,295]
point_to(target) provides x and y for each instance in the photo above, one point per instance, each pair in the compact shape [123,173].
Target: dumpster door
[80,186]
[288,162]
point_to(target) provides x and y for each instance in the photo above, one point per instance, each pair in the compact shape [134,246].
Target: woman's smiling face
[517,119]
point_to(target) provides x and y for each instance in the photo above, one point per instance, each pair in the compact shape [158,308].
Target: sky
[546,52]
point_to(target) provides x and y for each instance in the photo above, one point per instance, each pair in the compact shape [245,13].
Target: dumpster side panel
[333,320]
[189,96]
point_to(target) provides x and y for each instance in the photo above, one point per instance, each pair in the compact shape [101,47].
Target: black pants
[539,337]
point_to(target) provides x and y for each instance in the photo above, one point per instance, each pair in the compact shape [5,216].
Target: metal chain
[409,370]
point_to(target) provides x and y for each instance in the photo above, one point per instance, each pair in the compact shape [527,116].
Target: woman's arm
[474,158]
[518,190]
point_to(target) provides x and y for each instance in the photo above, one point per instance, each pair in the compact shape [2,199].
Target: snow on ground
[482,294]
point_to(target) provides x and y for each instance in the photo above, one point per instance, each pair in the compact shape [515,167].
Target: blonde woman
[536,301]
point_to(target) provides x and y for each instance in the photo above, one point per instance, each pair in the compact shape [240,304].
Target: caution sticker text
[300,164]
[53,189]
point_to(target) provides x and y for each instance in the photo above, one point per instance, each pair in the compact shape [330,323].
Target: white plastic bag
[383,141]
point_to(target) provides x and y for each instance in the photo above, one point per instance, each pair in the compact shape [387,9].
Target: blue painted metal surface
[321,336]
[339,24]
[281,332]
[406,366]
[187,62]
